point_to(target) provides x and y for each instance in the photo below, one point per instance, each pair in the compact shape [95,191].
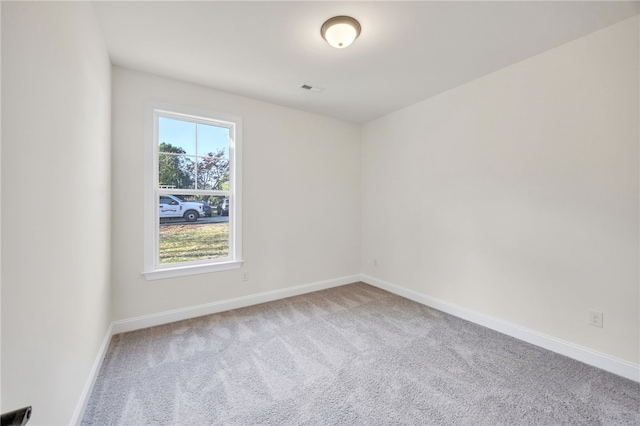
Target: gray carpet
[352,355]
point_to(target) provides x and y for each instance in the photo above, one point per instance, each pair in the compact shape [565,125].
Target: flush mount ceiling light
[340,31]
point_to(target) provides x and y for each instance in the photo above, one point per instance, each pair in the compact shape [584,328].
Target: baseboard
[226,305]
[93,375]
[580,353]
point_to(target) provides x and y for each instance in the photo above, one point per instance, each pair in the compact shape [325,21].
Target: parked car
[223,207]
[207,208]
[174,207]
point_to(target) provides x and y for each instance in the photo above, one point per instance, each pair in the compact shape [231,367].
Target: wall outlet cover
[595,318]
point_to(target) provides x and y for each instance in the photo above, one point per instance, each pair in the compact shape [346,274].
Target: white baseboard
[226,305]
[605,362]
[93,375]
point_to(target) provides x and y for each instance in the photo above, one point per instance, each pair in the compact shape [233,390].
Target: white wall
[301,198]
[56,205]
[516,195]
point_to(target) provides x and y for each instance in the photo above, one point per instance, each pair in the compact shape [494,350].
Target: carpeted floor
[352,355]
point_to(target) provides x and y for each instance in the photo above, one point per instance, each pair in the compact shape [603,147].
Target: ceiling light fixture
[340,31]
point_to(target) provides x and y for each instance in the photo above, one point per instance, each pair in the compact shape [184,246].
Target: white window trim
[152,269]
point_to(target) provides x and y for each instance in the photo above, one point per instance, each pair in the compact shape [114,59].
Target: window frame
[152,268]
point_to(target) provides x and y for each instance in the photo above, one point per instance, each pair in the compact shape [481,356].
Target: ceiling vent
[311,88]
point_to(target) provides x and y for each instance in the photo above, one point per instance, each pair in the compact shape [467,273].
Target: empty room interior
[370,212]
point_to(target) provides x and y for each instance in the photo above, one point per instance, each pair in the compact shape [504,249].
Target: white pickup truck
[173,207]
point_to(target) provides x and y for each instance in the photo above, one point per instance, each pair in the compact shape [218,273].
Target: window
[192,200]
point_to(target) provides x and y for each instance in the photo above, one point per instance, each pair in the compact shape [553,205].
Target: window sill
[183,271]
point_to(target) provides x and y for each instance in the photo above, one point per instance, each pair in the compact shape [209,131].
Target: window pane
[212,140]
[176,171]
[183,238]
[176,136]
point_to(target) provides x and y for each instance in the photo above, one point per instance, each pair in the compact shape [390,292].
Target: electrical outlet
[595,318]
[375,262]
[245,276]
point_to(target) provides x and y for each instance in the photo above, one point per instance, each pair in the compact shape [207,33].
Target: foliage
[174,167]
[213,171]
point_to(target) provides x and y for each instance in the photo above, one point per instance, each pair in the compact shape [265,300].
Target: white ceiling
[407,51]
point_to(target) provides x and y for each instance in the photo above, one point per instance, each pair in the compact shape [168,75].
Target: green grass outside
[189,242]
